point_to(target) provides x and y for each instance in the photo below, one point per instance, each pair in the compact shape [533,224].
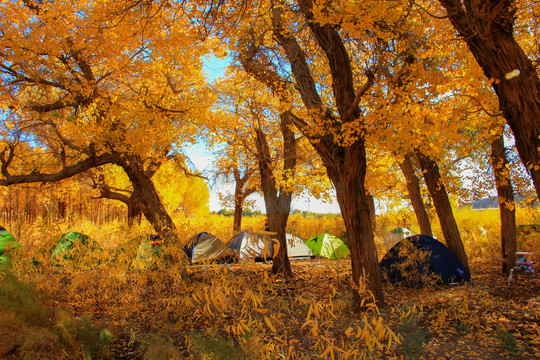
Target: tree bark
[443,208]
[240,194]
[415,195]
[348,177]
[345,165]
[372,214]
[277,206]
[134,213]
[238,210]
[151,204]
[488,29]
[507,206]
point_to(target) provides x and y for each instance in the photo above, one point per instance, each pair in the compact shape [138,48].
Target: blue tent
[398,264]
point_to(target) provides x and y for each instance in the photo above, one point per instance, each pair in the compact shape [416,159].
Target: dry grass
[242,311]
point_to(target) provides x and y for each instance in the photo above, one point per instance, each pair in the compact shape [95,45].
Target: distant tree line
[305,213]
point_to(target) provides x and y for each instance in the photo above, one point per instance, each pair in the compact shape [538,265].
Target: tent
[396,235]
[73,245]
[297,248]
[328,246]
[419,257]
[206,247]
[149,253]
[7,245]
[127,252]
[246,245]
[140,252]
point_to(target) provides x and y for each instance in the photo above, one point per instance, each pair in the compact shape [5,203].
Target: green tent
[328,246]
[7,245]
[73,245]
[149,253]
[128,252]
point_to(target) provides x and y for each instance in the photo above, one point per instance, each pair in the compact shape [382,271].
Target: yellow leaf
[269,323]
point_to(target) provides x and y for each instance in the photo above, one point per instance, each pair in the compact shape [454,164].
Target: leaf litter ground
[483,319]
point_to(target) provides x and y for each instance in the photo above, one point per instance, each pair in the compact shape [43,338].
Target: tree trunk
[151,204]
[238,210]
[277,206]
[415,195]
[62,209]
[507,207]
[240,194]
[277,222]
[348,178]
[134,213]
[488,29]
[443,207]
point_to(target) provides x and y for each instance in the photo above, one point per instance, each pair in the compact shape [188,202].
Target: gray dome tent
[206,247]
[246,245]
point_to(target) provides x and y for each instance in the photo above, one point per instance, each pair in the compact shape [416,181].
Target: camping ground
[242,311]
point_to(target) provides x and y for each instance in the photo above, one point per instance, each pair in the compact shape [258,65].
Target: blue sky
[202,160]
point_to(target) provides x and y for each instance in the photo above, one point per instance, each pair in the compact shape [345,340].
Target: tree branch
[367,85]
[65,173]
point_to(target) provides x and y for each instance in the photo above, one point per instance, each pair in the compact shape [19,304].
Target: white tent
[396,235]
[297,248]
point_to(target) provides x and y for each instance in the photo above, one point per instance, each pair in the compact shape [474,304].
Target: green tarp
[7,245]
[328,246]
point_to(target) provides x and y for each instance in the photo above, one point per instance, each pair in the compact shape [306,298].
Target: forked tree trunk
[415,195]
[507,206]
[345,163]
[488,29]
[443,207]
[277,205]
